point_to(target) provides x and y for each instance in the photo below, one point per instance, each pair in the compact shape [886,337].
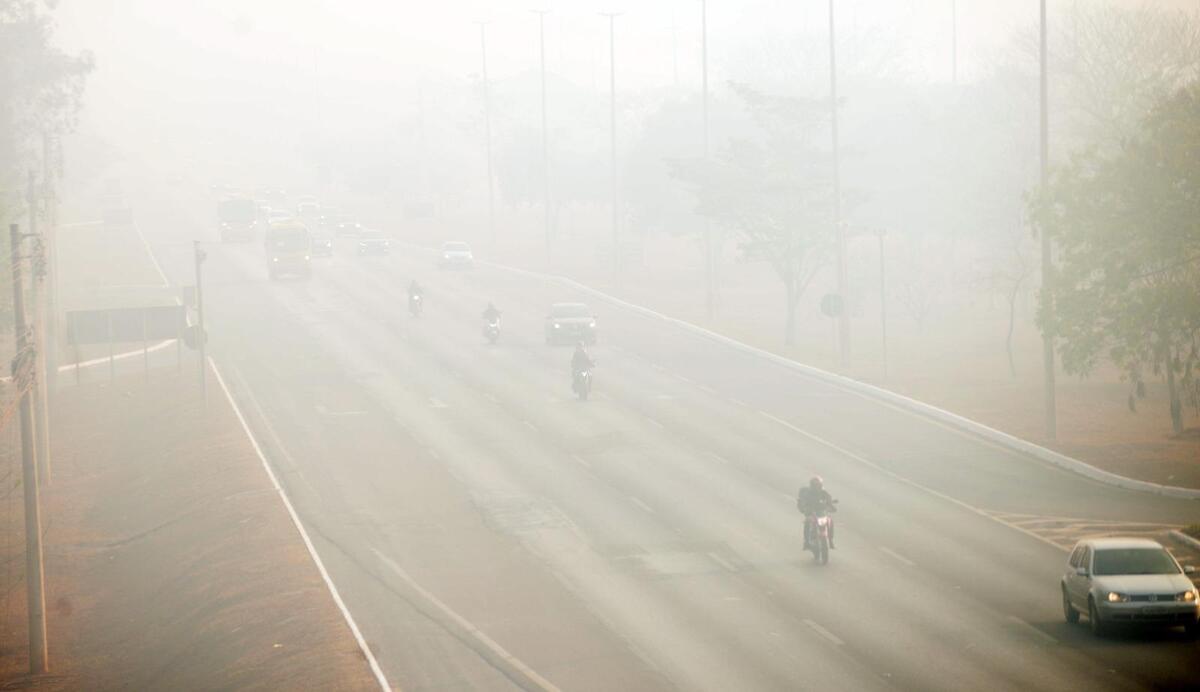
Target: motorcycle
[415,305]
[491,330]
[817,527]
[582,384]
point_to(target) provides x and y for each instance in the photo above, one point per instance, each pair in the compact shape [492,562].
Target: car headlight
[592,324]
[274,259]
[557,325]
[1114,597]
[1186,596]
[306,258]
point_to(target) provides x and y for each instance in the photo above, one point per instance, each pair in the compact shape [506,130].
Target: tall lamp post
[612,86]
[487,134]
[1047,296]
[545,132]
[839,231]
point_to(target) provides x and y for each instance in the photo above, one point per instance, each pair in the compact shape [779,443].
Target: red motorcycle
[817,527]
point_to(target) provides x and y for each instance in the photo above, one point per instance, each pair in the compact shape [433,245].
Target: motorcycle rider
[810,500]
[580,360]
[491,314]
[415,293]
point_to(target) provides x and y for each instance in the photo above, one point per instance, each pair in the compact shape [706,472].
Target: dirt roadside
[170,561]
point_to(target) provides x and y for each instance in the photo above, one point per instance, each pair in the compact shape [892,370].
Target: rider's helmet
[816,483]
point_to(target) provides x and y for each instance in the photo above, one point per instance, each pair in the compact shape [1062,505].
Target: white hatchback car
[1131,581]
[456,255]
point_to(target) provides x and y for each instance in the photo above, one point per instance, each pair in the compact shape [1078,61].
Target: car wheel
[1098,627]
[1069,612]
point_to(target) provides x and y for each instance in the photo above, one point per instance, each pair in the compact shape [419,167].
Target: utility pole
[487,135]
[545,132]
[839,231]
[612,86]
[24,377]
[49,154]
[201,334]
[1047,296]
[709,250]
[41,407]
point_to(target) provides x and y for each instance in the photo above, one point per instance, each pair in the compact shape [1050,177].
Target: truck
[236,216]
[288,246]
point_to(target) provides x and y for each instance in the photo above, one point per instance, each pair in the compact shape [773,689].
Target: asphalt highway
[488,531]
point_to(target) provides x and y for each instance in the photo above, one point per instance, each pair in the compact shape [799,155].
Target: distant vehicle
[289,250]
[322,244]
[273,194]
[456,255]
[1128,581]
[373,243]
[328,218]
[236,217]
[491,330]
[567,323]
[307,209]
[581,383]
[276,215]
[349,228]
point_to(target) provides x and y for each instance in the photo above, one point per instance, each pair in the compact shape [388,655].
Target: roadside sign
[123,325]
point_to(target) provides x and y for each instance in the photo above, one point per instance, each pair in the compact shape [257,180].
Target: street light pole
[709,260]
[487,133]
[201,335]
[842,281]
[881,233]
[1047,296]
[545,132]
[612,86]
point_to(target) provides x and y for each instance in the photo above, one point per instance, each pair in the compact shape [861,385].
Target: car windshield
[456,247]
[570,310]
[372,235]
[1134,561]
[290,241]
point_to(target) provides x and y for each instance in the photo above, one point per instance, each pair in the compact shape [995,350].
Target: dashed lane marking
[1030,629]
[641,504]
[897,556]
[830,636]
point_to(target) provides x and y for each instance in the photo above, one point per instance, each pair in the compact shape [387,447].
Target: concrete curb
[1185,539]
[953,420]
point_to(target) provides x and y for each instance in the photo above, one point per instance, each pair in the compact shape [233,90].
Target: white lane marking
[787,497]
[824,632]
[739,402]
[656,424]
[664,397]
[720,459]
[312,551]
[157,267]
[1032,630]
[322,410]
[897,556]
[77,224]
[438,403]
[726,564]
[433,453]
[706,389]
[491,397]
[911,483]
[683,379]
[465,624]
[641,504]
[529,425]
[581,461]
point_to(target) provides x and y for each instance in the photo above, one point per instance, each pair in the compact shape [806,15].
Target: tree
[772,192]
[1128,227]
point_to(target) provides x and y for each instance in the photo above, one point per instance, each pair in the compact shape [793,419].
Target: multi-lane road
[487,531]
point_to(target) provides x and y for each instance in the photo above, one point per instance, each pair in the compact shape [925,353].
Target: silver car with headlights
[1128,581]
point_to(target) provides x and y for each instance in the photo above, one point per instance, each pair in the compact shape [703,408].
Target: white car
[1130,581]
[456,255]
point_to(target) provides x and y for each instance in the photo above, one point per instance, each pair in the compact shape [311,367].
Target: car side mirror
[1188,569]
[1082,571]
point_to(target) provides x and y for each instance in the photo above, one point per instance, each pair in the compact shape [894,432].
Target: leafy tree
[773,192]
[1128,227]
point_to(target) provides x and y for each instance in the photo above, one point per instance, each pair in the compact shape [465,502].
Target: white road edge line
[657,424]
[312,551]
[466,625]
[897,556]
[719,458]
[529,425]
[892,474]
[824,632]
[154,260]
[1032,630]
[581,461]
[728,566]
[641,504]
